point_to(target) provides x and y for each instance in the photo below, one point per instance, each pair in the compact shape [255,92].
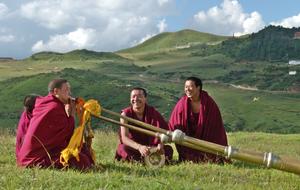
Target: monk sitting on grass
[135,145]
[24,121]
[50,129]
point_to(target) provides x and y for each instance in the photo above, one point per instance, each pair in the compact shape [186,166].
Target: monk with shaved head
[134,145]
[198,116]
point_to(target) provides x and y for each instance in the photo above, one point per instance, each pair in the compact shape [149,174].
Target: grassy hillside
[173,40]
[46,62]
[81,55]
[278,112]
[181,64]
[239,175]
[273,44]
[258,60]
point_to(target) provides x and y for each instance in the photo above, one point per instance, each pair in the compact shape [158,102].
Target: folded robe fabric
[209,127]
[22,129]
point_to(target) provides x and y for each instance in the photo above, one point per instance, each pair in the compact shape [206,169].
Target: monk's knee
[127,153]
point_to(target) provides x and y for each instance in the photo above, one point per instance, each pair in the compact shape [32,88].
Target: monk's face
[138,100]
[63,93]
[191,90]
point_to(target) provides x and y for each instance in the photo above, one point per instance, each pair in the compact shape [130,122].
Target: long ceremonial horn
[268,159]
[149,132]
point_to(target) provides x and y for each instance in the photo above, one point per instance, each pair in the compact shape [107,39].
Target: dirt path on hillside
[244,87]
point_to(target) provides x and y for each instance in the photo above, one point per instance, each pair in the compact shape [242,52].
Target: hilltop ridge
[169,40]
[80,54]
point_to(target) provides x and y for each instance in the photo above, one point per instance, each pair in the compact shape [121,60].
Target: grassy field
[116,175]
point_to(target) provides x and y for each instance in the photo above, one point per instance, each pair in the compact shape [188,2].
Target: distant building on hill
[297,35]
[292,72]
[294,62]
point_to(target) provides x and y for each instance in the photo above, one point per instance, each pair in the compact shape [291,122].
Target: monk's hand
[70,108]
[144,150]
[160,148]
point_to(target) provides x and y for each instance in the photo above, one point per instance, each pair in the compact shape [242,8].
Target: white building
[294,62]
[292,72]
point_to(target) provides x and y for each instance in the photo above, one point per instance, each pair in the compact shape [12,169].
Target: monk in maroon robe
[197,115]
[135,145]
[25,118]
[50,130]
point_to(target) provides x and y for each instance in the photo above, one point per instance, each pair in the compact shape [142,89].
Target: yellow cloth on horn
[93,107]
[74,147]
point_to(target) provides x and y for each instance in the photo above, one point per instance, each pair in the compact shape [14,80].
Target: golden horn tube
[268,159]
[150,133]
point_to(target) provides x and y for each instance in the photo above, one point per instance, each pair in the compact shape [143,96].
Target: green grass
[117,175]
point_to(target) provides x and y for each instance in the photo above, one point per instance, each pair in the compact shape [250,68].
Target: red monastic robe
[22,129]
[208,126]
[48,134]
[152,117]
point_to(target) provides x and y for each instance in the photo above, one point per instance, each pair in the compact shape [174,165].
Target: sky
[31,26]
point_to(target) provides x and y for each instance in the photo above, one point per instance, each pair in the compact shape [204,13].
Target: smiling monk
[197,115]
[135,145]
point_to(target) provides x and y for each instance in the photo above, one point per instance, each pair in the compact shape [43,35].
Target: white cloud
[116,23]
[289,22]
[5,35]
[251,24]
[228,19]
[163,2]
[147,37]
[162,25]
[7,38]
[56,14]
[78,39]
[46,13]
[3,10]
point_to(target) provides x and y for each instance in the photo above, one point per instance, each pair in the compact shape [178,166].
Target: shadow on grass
[132,168]
[247,165]
[141,170]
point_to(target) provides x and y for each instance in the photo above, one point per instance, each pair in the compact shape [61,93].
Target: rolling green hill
[173,40]
[273,112]
[258,60]
[82,55]
[272,44]
[45,62]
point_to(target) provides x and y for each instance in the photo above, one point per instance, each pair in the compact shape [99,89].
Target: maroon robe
[208,126]
[152,117]
[22,129]
[49,132]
